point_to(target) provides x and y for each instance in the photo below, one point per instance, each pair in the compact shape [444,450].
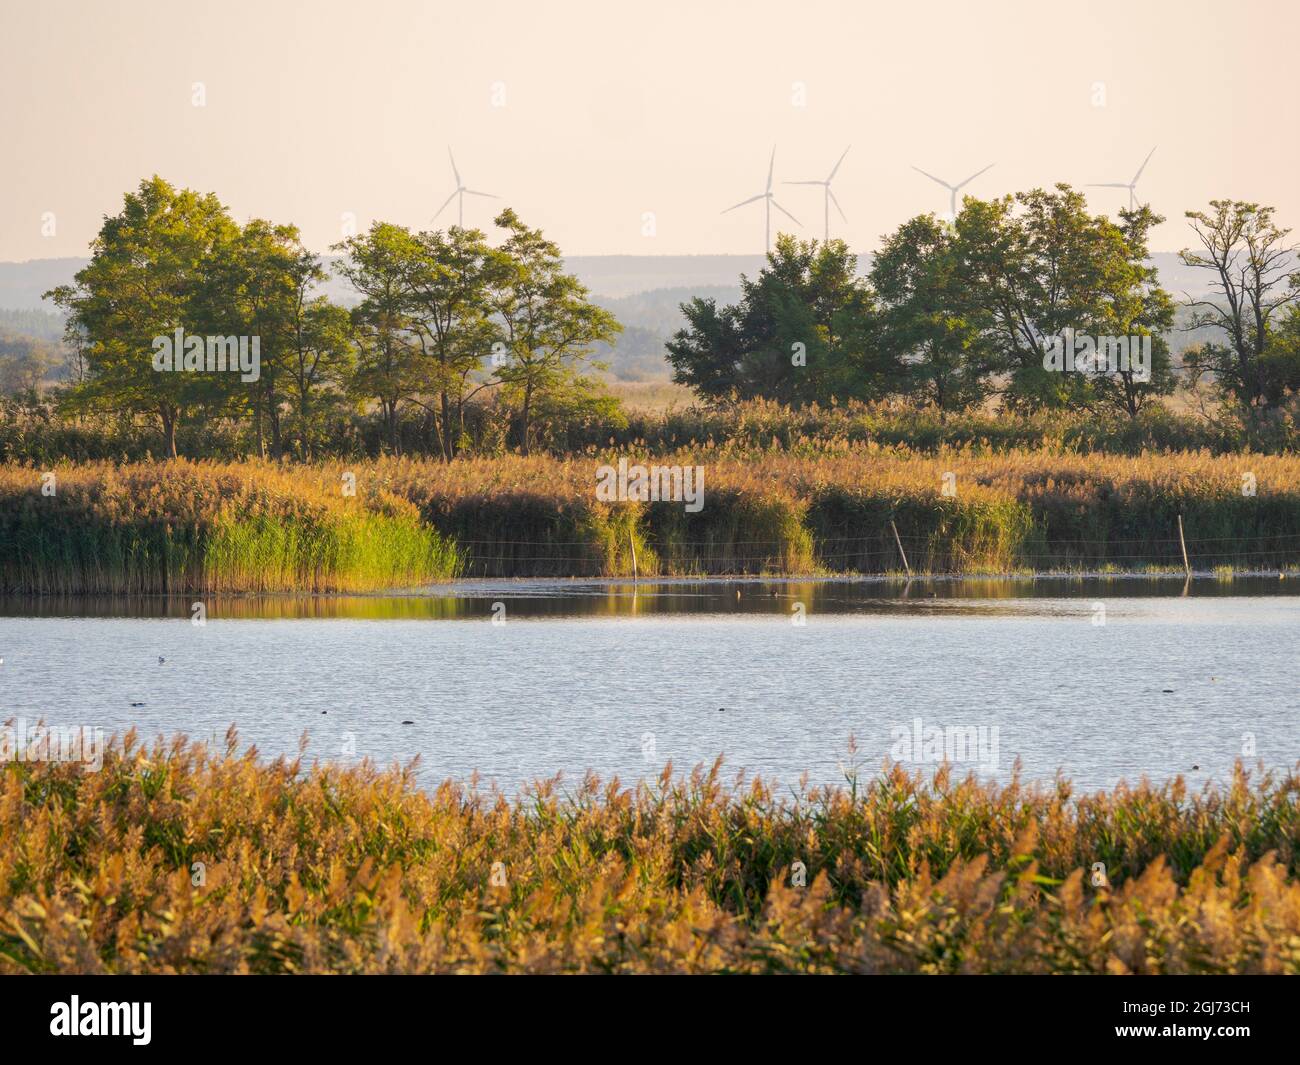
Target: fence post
[631,539]
[1183,543]
[898,540]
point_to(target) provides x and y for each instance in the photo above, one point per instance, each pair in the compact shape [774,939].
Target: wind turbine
[460,192]
[829,196]
[954,189]
[1130,185]
[769,202]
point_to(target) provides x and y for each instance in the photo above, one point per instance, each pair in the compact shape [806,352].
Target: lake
[1102,679]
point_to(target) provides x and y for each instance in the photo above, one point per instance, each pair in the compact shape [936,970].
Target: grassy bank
[205,527]
[176,858]
[252,527]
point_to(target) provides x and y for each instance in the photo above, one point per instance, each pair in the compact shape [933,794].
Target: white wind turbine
[768,202]
[954,189]
[460,193]
[829,196]
[1130,185]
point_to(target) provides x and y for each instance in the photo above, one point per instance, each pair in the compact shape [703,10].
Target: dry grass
[777,512]
[248,527]
[650,396]
[179,859]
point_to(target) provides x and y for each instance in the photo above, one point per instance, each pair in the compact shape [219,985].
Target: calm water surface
[618,679]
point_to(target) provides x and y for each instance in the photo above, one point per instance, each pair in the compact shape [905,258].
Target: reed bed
[177,858]
[956,511]
[253,527]
[205,527]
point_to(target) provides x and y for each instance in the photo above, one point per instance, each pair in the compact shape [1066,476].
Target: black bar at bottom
[341,1014]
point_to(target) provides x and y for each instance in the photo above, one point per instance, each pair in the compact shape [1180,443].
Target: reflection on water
[624,599]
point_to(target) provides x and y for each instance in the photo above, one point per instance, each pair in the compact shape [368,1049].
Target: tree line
[455,342]
[442,318]
[956,313]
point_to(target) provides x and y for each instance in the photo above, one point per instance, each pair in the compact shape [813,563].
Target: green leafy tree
[549,325]
[152,271]
[1135,306]
[929,322]
[450,286]
[379,264]
[1042,267]
[803,332]
[1280,363]
[319,365]
[263,274]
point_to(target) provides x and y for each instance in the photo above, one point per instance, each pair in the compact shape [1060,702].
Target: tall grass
[782,513]
[205,527]
[249,527]
[178,858]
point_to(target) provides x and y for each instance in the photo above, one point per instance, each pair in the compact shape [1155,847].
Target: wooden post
[631,539]
[898,540]
[1183,543]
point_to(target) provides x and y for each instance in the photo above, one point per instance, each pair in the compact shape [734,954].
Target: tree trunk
[445,441]
[525,415]
[169,429]
[273,414]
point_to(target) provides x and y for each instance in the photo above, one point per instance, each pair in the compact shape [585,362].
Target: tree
[1134,306]
[549,325]
[319,364]
[24,362]
[803,332]
[1041,268]
[1255,280]
[151,273]
[379,264]
[1280,363]
[263,278]
[929,322]
[449,287]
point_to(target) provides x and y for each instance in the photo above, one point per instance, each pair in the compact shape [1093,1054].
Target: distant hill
[609,276]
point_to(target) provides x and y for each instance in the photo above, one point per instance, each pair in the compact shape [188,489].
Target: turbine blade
[444,205]
[933,178]
[760,196]
[771,165]
[786,213]
[803,183]
[977,174]
[1144,165]
[489,195]
[837,204]
[836,167]
[453,167]
[1107,185]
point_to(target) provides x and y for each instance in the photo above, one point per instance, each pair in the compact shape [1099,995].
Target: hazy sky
[585,116]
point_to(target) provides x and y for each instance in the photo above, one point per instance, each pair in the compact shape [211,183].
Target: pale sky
[614,108]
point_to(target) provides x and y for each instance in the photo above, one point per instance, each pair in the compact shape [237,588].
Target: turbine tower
[769,201]
[954,189]
[828,197]
[1130,185]
[460,193]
